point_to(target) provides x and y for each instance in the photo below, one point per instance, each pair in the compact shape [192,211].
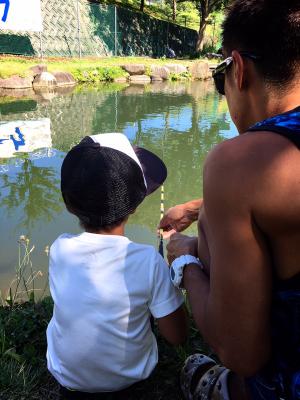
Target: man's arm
[236,314]
[232,307]
[180,217]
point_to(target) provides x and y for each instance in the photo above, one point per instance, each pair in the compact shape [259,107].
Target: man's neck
[270,102]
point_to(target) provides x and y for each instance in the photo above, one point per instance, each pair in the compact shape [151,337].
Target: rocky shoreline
[38,78]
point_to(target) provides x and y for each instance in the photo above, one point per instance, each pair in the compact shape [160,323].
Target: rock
[200,70]
[134,90]
[17,93]
[159,73]
[64,78]
[134,69]
[140,79]
[38,69]
[121,79]
[44,80]
[176,68]
[45,95]
[16,82]
[200,91]
[158,87]
[63,90]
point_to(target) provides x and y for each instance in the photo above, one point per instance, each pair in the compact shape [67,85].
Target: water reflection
[32,192]
[179,122]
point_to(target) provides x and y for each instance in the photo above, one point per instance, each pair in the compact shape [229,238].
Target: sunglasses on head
[219,72]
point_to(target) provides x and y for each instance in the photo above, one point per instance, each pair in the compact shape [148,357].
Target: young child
[104,286]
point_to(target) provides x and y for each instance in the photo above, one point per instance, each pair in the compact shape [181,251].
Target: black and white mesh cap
[104,178]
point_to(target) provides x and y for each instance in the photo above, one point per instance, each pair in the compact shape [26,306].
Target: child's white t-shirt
[104,288]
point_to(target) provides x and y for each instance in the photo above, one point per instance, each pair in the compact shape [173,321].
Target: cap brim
[154,169]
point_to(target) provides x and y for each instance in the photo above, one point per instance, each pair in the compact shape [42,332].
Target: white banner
[21,15]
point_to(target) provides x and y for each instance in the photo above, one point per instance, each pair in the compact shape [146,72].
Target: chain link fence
[77,28]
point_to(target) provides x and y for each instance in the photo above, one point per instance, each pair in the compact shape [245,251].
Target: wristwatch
[177,267]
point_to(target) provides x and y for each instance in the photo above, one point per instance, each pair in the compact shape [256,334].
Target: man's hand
[180,217]
[180,245]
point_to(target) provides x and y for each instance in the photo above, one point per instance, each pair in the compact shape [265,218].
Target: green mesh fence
[74,28]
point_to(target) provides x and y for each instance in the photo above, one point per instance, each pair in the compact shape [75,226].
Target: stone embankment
[39,78]
[139,73]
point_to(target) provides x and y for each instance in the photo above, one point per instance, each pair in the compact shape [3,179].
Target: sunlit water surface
[180,122]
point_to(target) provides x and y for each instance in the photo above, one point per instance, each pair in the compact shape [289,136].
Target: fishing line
[162,205]
[162,212]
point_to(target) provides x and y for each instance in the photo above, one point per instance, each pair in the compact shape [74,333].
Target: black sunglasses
[219,72]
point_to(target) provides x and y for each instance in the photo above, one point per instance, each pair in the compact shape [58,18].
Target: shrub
[183,76]
[99,74]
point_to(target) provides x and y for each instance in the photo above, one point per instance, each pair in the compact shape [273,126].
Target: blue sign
[17,142]
[6,8]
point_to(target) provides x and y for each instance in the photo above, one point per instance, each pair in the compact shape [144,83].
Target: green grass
[84,70]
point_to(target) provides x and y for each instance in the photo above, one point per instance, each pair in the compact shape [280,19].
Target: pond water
[180,122]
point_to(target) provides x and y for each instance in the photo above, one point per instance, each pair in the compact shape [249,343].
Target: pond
[180,122]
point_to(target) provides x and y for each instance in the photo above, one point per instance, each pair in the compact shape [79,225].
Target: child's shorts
[66,394]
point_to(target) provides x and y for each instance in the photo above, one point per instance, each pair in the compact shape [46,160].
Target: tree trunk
[204,13]
[174,9]
[142,5]
[200,40]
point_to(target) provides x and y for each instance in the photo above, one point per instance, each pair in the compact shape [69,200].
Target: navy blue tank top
[287,124]
[280,379]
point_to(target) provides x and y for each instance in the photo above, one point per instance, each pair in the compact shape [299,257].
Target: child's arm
[174,327]
[167,304]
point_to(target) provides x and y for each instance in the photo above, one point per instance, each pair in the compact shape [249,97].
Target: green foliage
[22,287]
[148,70]
[183,76]
[213,37]
[99,74]
[22,331]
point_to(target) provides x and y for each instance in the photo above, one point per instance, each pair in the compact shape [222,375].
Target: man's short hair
[270,29]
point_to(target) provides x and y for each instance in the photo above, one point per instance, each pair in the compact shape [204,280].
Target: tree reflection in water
[32,192]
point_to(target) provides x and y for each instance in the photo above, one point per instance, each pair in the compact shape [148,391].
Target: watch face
[172,272]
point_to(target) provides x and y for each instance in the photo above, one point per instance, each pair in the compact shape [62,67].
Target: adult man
[245,300]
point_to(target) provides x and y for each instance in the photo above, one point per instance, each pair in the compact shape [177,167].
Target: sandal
[189,370]
[212,384]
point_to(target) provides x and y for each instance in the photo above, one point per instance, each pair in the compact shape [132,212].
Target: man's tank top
[280,379]
[287,124]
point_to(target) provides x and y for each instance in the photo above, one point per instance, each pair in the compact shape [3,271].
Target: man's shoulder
[251,167]
[248,152]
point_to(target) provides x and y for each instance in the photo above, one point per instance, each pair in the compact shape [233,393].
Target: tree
[174,10]
[142,5]
[205,8]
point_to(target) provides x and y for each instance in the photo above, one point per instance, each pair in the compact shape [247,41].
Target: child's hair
[94,227]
